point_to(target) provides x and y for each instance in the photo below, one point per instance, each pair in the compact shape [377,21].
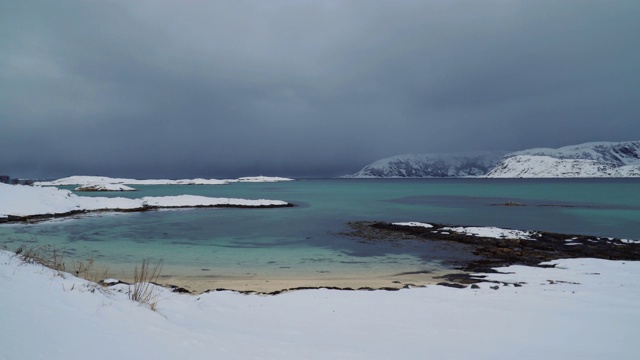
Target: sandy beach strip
[272,284]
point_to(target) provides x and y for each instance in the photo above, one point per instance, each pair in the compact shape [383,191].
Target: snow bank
[581,309]
[20,200]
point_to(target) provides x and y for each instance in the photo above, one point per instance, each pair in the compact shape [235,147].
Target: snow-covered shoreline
[103,180]
[579,309]
[20,202]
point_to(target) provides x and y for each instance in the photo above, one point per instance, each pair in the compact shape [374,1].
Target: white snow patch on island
[20,200]
[557,313]
[103,180]
[492,232]
[104,187]
[195,201]
[413,223]
[83,180]
[630,241]
[259,179]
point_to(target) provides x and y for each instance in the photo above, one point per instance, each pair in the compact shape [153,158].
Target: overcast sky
[305,88]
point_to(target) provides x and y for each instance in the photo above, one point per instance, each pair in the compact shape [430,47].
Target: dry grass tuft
[145,277]
[82,268]
[143,289]
[45,255]
[89,271]
[52,258]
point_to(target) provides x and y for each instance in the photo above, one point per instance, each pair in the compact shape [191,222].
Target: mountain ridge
[592,159]
[432,165]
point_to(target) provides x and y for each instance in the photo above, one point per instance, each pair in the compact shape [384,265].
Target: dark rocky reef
[492,252]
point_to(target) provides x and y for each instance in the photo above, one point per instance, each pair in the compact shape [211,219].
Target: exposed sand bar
[270,284]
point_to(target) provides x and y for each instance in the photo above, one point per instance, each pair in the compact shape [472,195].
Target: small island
[104,187]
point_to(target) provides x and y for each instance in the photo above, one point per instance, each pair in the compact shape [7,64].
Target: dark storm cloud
[301,88]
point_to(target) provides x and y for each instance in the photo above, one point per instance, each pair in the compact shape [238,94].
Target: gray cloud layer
[302,88]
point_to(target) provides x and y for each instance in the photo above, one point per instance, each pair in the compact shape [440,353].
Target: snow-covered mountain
[597,159]
[615,153]
[432,165]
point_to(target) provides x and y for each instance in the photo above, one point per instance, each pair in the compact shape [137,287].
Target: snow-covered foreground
[582,309]
[20,200]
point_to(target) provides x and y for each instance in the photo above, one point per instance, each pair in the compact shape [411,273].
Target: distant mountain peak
[432,165]
[594,159]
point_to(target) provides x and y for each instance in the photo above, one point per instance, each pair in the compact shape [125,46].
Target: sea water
[310,238]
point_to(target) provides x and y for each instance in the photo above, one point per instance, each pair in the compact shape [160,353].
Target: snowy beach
[581,309]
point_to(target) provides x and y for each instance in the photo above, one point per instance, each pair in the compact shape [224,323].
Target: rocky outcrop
[491,252]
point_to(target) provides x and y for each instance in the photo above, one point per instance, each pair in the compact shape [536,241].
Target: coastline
[271,285]
[564,309]
[17,219]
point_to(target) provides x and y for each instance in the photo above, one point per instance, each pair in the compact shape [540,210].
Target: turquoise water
[306,239]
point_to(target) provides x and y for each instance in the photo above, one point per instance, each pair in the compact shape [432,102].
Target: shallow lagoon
[306,241]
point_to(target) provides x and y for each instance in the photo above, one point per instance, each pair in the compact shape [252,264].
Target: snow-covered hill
[614,153]
[432,165]
[598,159]
[595,159]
